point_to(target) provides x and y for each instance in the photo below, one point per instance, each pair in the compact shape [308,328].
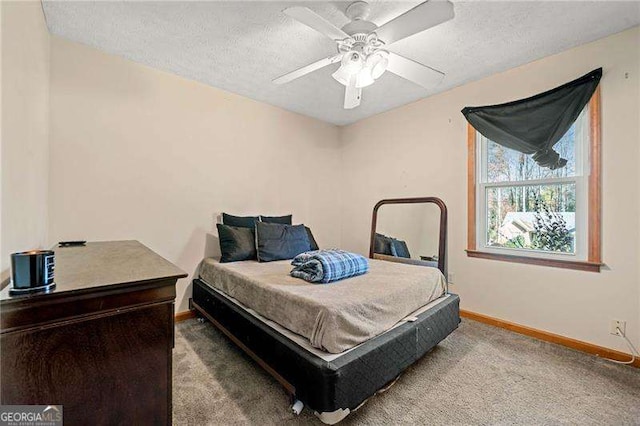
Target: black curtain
[534,125]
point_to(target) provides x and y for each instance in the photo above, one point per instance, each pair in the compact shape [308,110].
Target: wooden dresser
[100,343]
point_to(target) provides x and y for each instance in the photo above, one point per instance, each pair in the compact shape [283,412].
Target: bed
[331,346]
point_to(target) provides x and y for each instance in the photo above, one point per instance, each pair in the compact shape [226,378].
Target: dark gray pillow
[236,243]
[399,249]
[284,220]
[275,241]
[382,245]
[239,221]
[312,241]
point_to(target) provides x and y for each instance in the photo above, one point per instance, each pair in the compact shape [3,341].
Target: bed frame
[332,389]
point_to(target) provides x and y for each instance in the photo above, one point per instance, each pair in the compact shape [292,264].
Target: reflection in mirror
[408,230]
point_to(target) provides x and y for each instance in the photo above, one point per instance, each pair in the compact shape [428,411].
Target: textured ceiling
[241,46]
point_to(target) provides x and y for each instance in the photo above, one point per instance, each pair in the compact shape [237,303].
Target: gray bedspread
[336,316]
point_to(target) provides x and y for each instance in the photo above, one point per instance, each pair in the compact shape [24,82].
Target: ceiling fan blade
[413,71]
[352,94]
[308,69]
[420,18]
[315,21]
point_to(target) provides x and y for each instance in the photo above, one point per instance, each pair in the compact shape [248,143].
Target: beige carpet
[478,375]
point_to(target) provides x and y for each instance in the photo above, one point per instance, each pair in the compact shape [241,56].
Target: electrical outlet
[452,277]
[618,324]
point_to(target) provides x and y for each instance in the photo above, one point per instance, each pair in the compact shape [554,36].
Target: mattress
[333,317]
[304,343]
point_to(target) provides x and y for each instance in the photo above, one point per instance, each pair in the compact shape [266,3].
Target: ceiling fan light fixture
[377,62]
[352,63]
[342,76]
[364,78]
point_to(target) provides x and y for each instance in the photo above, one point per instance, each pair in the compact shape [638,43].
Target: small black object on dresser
[72,243]
[32,272]
[100,343]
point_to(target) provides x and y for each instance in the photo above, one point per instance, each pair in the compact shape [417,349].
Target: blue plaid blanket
[325,266]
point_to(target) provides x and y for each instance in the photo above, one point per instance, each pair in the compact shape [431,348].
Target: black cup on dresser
[32,271]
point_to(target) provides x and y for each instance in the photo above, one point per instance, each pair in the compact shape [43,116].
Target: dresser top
[102,264]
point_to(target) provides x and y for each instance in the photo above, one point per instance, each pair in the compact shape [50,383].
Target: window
[519,211]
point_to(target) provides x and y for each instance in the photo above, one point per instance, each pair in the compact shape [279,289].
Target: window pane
[534,217]
[504,164]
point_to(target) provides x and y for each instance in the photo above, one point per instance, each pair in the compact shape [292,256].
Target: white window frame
[581,181]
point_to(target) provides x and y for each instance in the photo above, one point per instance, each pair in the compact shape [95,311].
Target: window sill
[555,263]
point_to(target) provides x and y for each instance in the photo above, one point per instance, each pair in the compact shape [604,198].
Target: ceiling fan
[363,46]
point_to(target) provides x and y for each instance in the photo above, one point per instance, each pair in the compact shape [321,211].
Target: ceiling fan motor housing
[358,12]
[359,26]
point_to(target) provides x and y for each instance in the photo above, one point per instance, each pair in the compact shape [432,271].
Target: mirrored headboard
[410,230]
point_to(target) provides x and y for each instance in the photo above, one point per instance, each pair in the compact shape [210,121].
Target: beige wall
[138,153]
[422,148]
[25,127]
